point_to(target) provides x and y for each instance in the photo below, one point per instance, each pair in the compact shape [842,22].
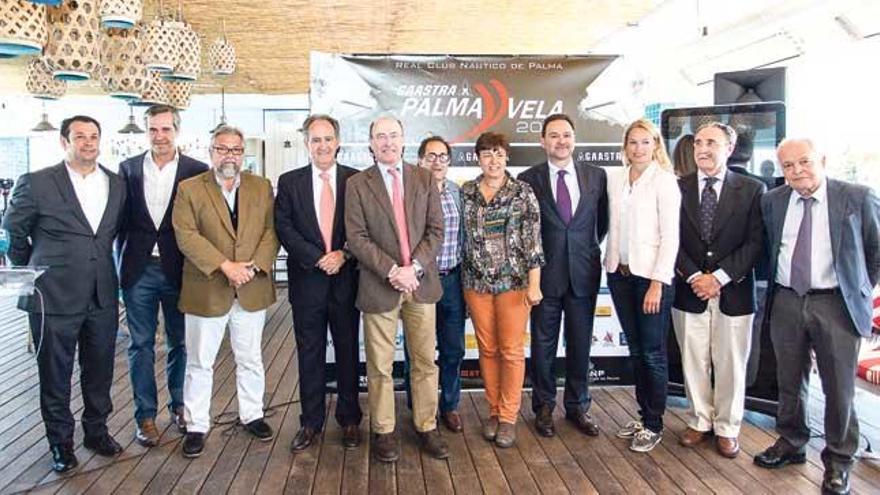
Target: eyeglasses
[437,157]
[223,150]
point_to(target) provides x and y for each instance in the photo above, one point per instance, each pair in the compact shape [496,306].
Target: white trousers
[714,343]
[203,338]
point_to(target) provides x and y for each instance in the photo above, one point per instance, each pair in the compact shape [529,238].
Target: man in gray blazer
[394,227]
[824,241]
[65,218]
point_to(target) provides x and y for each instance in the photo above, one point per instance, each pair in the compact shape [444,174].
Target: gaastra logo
[488,102]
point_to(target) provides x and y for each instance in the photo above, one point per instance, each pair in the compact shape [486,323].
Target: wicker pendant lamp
[222,55]
[179,93]
[123,73]
[40,83]
[74,47]
[121,14]
[22,28]
[161,42]
[154,91]
[189,52]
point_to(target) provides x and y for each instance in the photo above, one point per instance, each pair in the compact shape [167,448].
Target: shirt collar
[235,183]
[148,160]
[316,172]
[720,175]
[554,169]
[76,175]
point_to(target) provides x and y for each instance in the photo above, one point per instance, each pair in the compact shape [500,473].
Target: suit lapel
[307,195]
[546,192]
[245,199]
[338,220]
[780,208]
[726,202]
[377,186]
[65,188]
[137,187]
[584,192]
[409,197]
[837,211]
[212,189]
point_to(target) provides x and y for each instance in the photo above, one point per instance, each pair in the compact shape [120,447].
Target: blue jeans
[142,307]
[646,336]
[450,342]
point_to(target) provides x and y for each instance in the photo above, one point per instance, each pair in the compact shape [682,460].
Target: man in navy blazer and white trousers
[824,241]
[574,220]
[151,268]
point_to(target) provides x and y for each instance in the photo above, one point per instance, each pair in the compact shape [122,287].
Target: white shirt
[92,192]
[571,181]
[624,216]
[229,196]
[318,187]
[388,178]
[158,186]
[822,275]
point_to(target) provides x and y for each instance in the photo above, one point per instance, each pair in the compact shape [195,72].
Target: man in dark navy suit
[824,240]
[309,221]
[574,220]
[151,268]
[65,218]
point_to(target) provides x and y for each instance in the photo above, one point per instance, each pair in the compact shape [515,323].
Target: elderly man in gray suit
[824,240]
[394,227]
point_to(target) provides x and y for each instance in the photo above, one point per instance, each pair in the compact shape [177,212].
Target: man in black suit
[824,241]
[65,218]
[721,241]
[323,280]
[574,220]
[151,268]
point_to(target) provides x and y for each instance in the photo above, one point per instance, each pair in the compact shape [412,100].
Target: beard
[227,170]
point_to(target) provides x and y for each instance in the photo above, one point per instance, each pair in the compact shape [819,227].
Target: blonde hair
[659,155]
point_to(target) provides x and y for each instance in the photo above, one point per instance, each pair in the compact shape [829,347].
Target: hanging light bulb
[44,125]
[131,127]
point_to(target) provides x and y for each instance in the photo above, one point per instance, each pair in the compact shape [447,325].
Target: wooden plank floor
[235,463]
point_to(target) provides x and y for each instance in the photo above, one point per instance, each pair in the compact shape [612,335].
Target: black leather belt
[444,273]
[813,292]
[624,270]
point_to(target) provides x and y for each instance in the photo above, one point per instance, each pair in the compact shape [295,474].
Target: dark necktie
[801,265]
[563,198]
[708,205]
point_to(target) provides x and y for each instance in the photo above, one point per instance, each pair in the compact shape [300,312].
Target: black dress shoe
[260,429]
[351,436]
[836,482]
[103,445]
[779,455]
[584,423]
[178,420]
[544,422]
[303,439]
[63,459]
[193,445]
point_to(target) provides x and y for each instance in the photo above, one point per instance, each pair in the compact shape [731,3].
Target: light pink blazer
[653,216]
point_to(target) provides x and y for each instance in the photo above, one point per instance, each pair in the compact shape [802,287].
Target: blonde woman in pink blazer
[643,204]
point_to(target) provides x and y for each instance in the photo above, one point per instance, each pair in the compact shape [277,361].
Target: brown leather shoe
[178,420]
[351,436]
[304,438]
[544,422]
[452,421]
[692,437]
[432,444]
[385,447]
[147,434]
[584,423]
[506,436]
[727,446]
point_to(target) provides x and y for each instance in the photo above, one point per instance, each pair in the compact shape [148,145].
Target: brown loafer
[490,429]
[304,438]
[385,447]
[452,421]
[692,437]
[727,446]
[351,436]
[147,434]
[584,423]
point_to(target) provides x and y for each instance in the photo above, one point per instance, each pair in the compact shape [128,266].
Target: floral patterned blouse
[502,238]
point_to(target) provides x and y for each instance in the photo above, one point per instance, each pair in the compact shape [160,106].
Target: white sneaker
[645,440]
[630,429]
